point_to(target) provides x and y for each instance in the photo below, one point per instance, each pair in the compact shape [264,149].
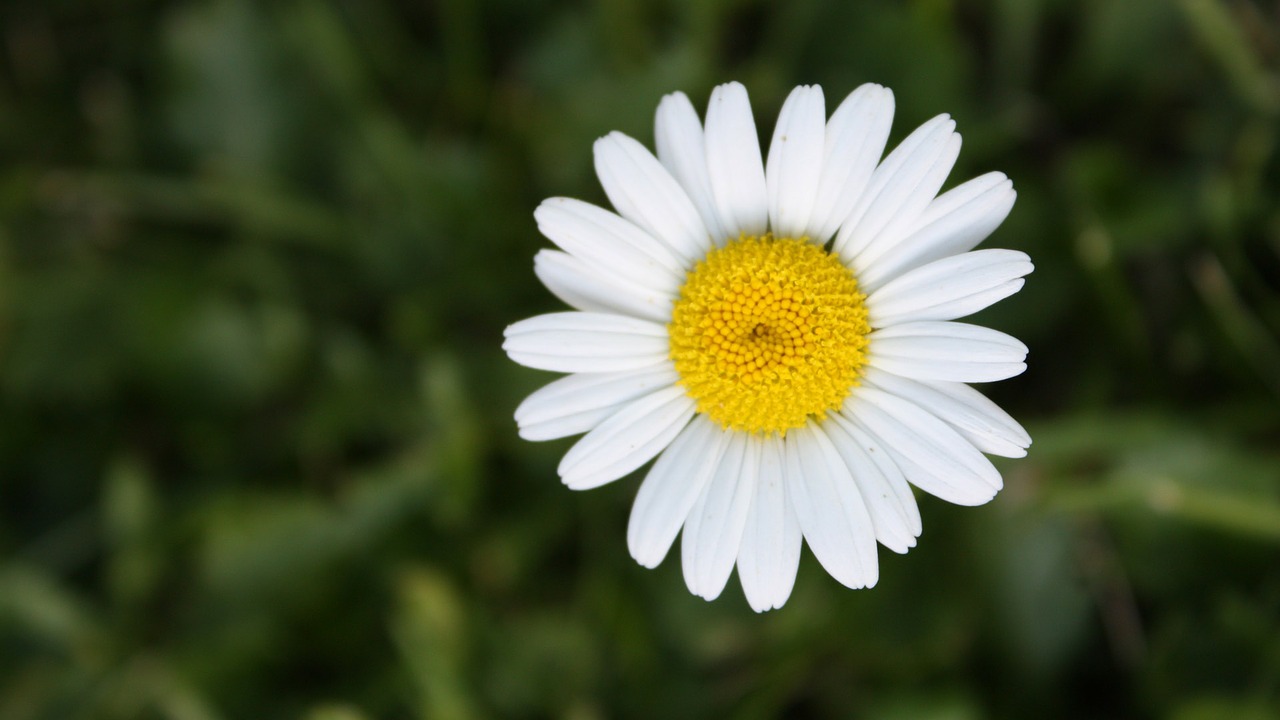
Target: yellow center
[768,332]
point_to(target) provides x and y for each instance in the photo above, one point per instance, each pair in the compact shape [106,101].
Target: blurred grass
[256,454]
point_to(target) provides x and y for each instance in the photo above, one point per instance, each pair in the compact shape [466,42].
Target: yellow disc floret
[768,332]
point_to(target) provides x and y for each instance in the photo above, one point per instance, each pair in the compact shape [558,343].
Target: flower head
[780,335]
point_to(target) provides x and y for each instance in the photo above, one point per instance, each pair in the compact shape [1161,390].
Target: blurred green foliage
[256,452]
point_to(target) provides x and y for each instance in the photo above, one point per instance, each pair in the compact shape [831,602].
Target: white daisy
[779,335]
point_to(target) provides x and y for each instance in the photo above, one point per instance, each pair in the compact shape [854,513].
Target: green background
[256,450]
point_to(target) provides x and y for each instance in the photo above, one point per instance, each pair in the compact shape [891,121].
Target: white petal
[976,418]
[884,488]
[646,194]
[949,288]
[734,162]
[576,403]
[604,240]
[899,191]
[628,439]
[682,150]
[672,488]
[955,222]
[586,342]
[795,161]
[855,140]
[932,456]
[583,287]
[770,552]
[829,508]
[946,351]
[713,533]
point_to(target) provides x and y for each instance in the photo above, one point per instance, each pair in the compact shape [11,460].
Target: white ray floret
[795,158]
[899,190]
[713,531]
[645,193]
[577,403]
[681,146]
[583,287]
[955,222]
[854,141]
[933,350]
[894,515]
[586,342]
[671,489]
[734,163]
[626,440]
[830,509]
[950,288]
[770,554]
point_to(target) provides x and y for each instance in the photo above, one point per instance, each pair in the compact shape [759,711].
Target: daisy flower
[779,334]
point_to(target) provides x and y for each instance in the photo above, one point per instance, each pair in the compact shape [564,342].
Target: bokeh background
[256,450]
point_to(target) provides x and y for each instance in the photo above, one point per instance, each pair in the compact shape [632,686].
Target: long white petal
[932,456]
[645,193]
[953,351]
[713,533]
[628,439]
[976,418]
[734,162]
[884,488]
[955,222]
[576,403]
[583,287]
[586,342]
[899,191]
[770,552]
[855,138]
[682,150]
[829,508]
[949,288]
[671,489]
[795,161]
[603,240]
